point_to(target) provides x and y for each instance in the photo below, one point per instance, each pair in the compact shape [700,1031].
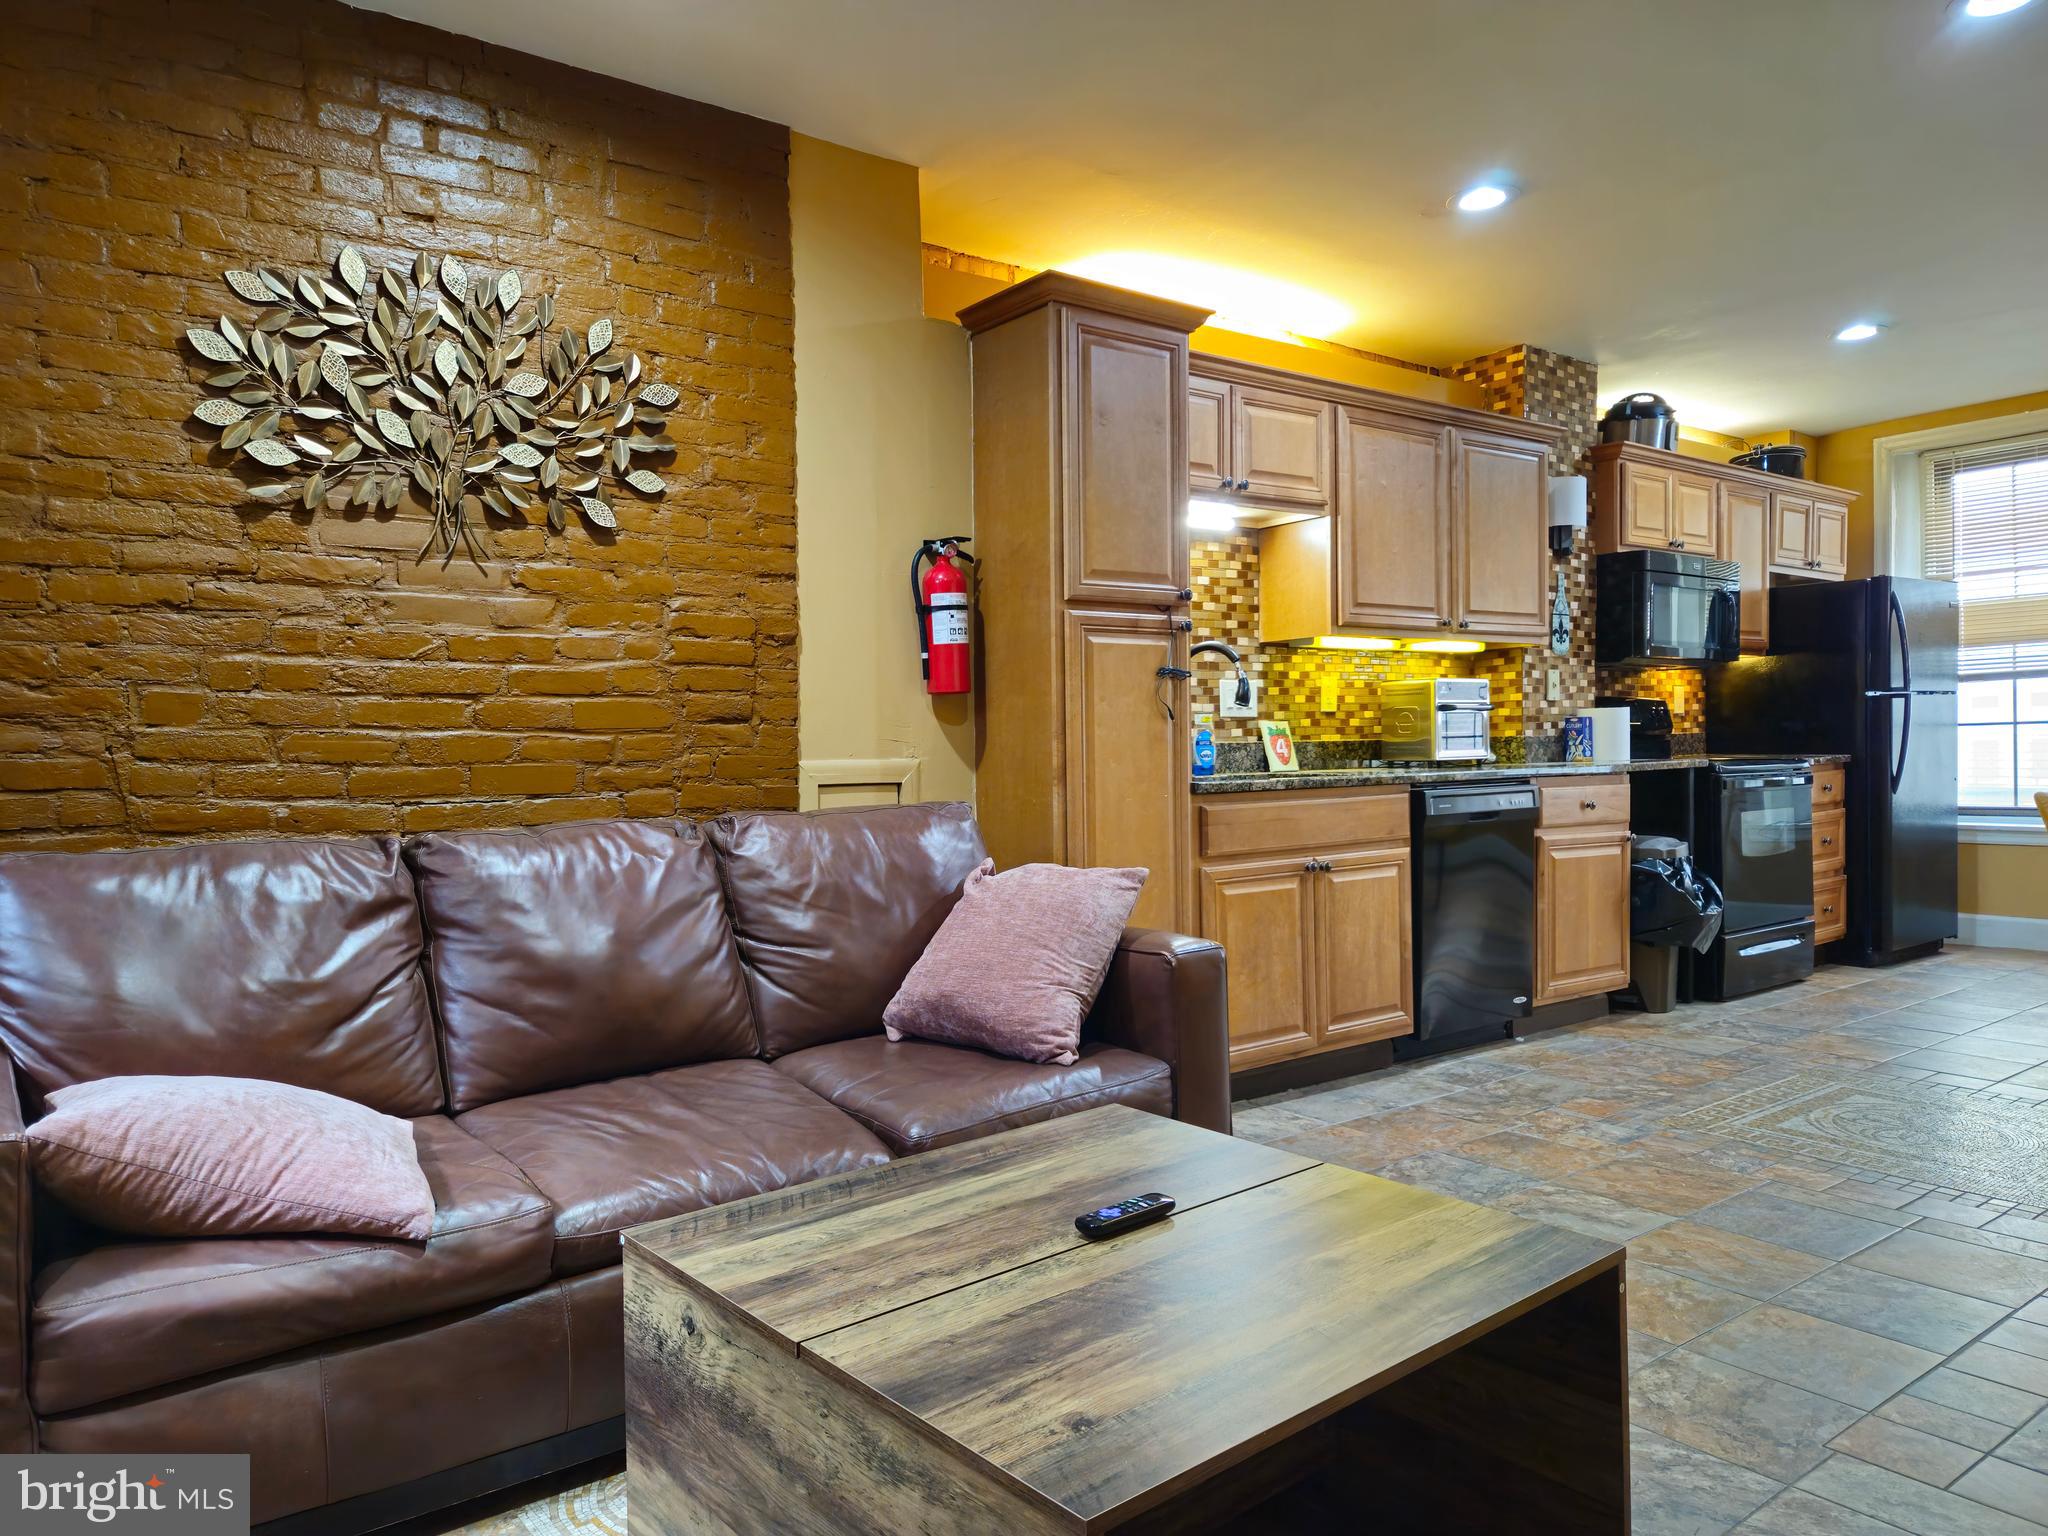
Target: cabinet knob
[1464,623]
[1589,805]
[1187,594]
[1244,485]
[1184,625]
[1226,484]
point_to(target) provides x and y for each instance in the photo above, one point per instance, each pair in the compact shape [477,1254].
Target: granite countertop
[1444,773]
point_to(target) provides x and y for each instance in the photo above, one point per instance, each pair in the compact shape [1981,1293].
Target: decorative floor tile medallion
[1997,1149]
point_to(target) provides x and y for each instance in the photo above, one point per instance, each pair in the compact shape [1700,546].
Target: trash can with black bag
[1672,906]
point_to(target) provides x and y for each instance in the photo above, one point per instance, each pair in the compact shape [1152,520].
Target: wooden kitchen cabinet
[1582,888]
[1502,543]
[1125,539]
[1391,540]
[1745,524]
[1263,913]
[1648,498]
[1270,446]
[1209,471]
[1123,747]
[1080,521]
[1439,527]
[1363,946]
[1316,929]
[1830,855]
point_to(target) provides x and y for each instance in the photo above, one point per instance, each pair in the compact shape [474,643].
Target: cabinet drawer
[1829,849]
[1272,821]
[1830,786]
[1583,803]
[1830,907]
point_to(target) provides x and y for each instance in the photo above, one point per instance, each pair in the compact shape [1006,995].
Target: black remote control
[1109,1220]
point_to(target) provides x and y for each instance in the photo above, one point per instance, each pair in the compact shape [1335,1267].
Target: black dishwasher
[1474,849]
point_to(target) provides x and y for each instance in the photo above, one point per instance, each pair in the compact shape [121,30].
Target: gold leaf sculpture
[431,382]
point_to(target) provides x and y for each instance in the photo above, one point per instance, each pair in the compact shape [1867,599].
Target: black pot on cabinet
[1787,459]
[1640,418]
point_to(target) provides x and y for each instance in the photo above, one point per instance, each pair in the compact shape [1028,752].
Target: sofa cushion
[580,952]
[612,1155]
[832,908]
[917,1094]
[229,1157]
[130,1315]
[296,961]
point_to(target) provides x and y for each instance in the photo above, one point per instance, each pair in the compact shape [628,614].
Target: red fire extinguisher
[940,597]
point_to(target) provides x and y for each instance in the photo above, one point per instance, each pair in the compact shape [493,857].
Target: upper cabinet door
[1830,540]
[1208,437]
[1126,464]
[1646,513]
[1791,531]
[1746,514]
[1695,520]
[1501,538]
[1127,755]
[1392,553]
[1281,446]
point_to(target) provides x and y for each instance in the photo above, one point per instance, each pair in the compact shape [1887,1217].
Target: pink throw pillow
[228,1156]
[1017,963]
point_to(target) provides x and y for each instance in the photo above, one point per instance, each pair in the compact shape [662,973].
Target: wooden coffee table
[930,1347]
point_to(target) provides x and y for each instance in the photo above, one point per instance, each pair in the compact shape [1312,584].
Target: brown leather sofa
[589,1026]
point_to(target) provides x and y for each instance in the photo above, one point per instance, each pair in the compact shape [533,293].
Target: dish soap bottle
[1205,746]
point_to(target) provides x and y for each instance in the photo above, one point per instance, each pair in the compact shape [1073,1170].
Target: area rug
[1979,1146]
[594,1509]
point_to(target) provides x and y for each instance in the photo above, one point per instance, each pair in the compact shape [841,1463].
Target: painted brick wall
[176,660]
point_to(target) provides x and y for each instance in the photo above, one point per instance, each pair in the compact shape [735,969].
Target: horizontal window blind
[1984,526]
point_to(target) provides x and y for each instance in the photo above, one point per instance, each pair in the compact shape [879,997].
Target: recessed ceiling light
[1991,7]
[1483,198]
[1862,330]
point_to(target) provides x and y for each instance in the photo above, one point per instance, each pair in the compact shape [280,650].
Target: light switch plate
[1226,700]
[1553,685]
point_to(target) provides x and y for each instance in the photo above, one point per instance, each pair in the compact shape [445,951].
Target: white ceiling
[1712,188]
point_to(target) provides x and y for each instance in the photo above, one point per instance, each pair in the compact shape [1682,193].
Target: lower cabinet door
[1263,913]
[1127,755]
[1582,883]
[1362,942]
[1830,906]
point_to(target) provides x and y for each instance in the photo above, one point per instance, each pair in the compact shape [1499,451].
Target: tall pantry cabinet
[1080,531]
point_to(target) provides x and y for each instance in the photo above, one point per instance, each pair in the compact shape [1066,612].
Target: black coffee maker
[1649,726]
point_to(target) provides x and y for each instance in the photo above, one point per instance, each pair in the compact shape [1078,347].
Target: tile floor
[1838,1289]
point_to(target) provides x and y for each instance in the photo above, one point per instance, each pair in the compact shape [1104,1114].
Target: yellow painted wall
[954,280]
[2007,880]
[2003,878]
[883,444]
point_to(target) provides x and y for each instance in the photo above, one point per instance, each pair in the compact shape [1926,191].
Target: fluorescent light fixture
[1354,643]
[1211,516]
[1484,198]
[1862,330]
[1991,7]
[1448,647]
[1249,302]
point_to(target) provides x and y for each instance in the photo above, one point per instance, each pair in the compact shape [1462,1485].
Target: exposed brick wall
[177,660]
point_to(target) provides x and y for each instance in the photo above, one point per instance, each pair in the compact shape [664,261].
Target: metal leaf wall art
[369,386]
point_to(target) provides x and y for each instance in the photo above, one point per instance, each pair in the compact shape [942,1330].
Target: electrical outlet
[1226,700]
[1327,700]
[1553,685]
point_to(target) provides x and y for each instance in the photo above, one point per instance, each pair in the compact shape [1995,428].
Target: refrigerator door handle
[1905,649]
[1905,737]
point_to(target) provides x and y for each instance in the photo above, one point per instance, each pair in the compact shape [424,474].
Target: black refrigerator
[1867,668]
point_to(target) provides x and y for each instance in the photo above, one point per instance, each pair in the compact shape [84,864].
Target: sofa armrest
[17,1242]
[1164,995]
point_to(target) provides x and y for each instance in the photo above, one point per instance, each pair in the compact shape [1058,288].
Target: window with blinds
[1984,526]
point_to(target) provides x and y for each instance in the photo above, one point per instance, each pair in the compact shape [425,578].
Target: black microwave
[1656,606]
